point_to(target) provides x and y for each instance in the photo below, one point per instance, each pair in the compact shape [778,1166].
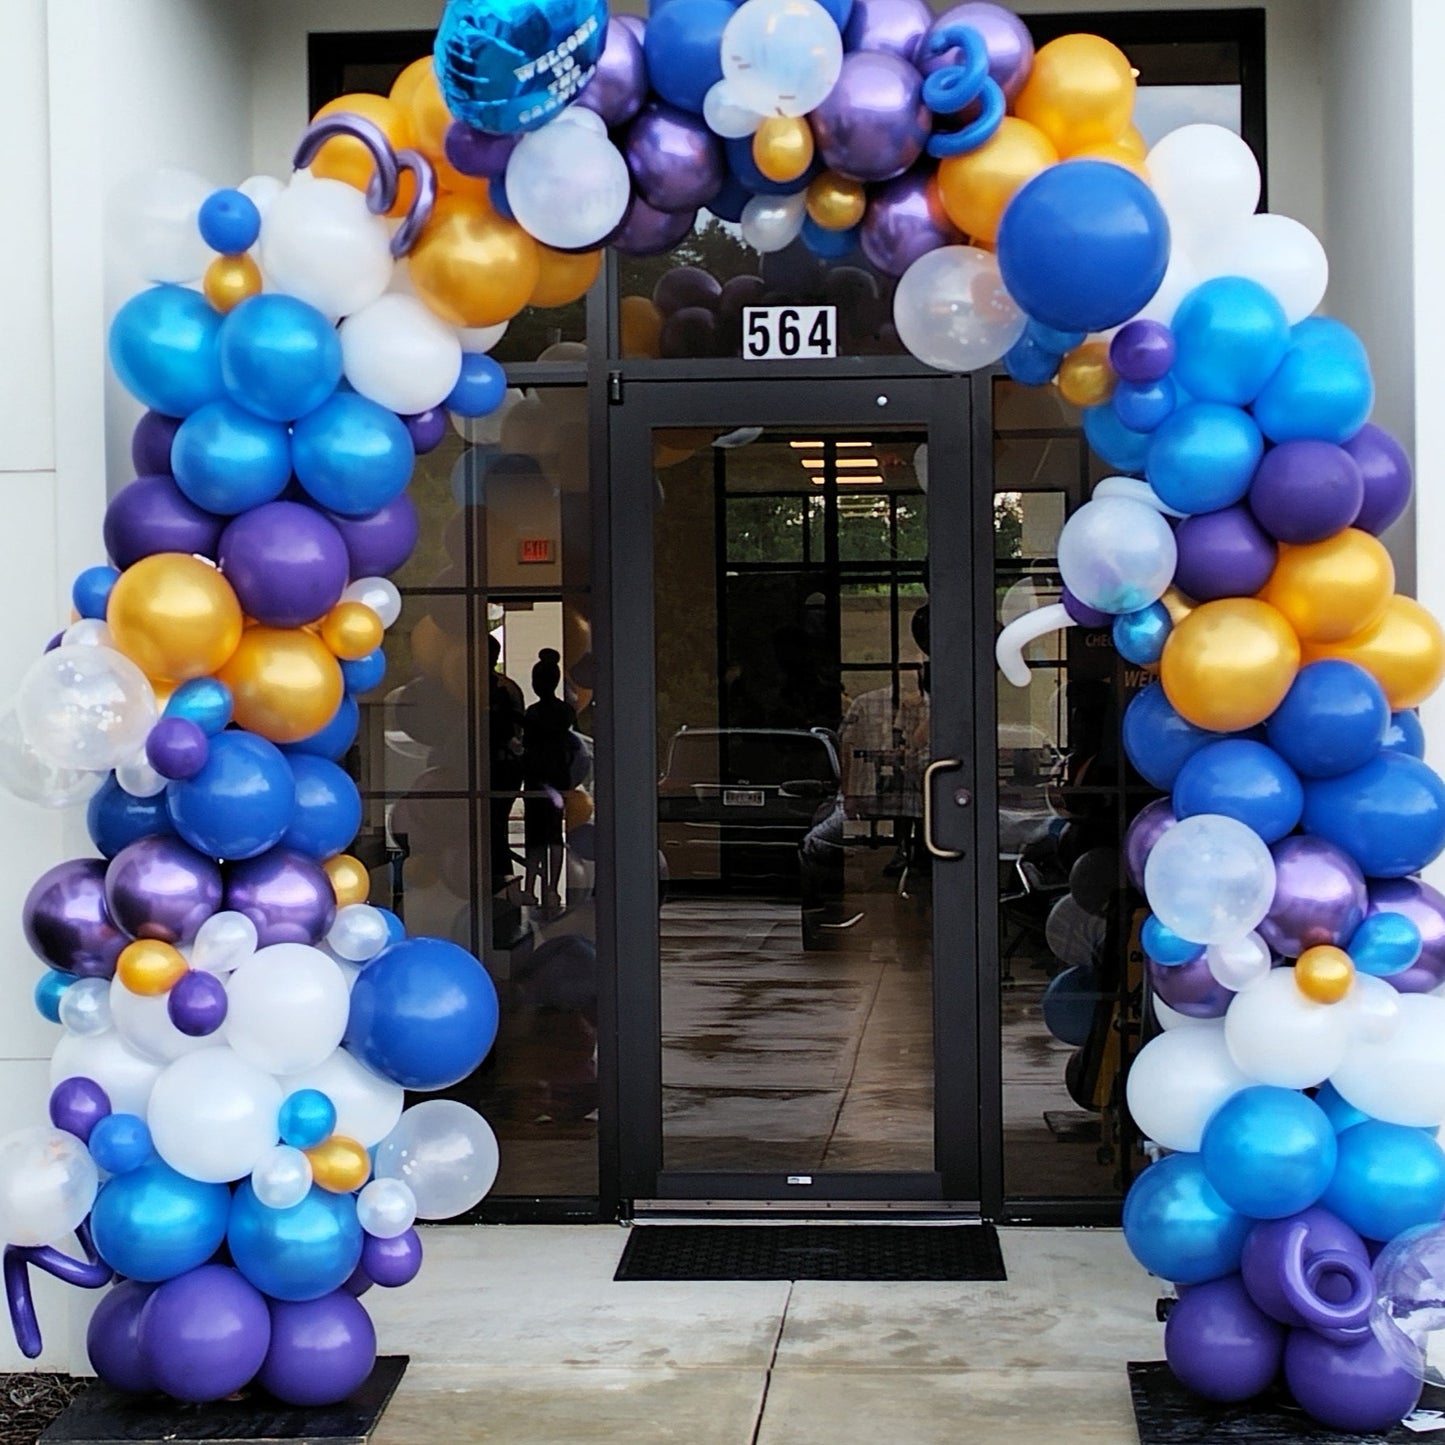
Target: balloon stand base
[1165,1413]
[102,1416]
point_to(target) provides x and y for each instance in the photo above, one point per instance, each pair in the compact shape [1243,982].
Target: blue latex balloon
[229,222]
[1203,457]
[1083,247]
[1385,943]
[328,808]
[1031,364]
[497,195]
[228,460]
[351,455]
[511,65]
[1139,637]
[1113,442]
[335,738]
[1069,1004]
[395,928]
[306,1118]
[1388,1179]
[423,1012]
[48,988]
[364,673]
[729,202]
[840,10]
[91,590]
[114,818]
[280,358]
[1405,734]
[739,152]
[1389,815]
[299,1253]
[1177,1225]
[152,1223]
[1144,406]
[1332,720]
[828,245]
[1268,1152]
[1241,779]
[163,348]
[1341,1115]
[205,701]
[481,386]
[120,1143]
[1165,946]
[1229,336]
[239,804]
[1052,338]
[683,46]
[1322,389]
[1157,740]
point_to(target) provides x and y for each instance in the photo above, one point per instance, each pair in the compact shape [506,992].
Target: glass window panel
[767,529]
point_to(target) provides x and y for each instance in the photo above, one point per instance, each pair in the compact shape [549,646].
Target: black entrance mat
[1165,1413]
[812,1251]
[102,1416]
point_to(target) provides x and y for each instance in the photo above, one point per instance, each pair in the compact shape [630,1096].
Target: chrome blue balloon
[1229,336]
[1322,389]
[1269,1152]
[1114,443]
[1389,815]
[228,460]
[395,928]
[204,701]
[152,1223]
[1389,1178]
[48,988]
[306,1118]
[328,808]
[163,348]
[1341,1115]
[1165,946]
[1405,734]
[280,358]
[335,738]
[1241,779]
[1177,1225]
[511,65]
[351,455]
[1332,720]
[299,1253]
[364,673]
[1139,637]
[240,803]
[1144,406]
[91,590]
[1385,943]
[1203,456]
[120,1143]
[1157,740]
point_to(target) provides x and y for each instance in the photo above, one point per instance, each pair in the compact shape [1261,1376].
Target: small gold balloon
[230,280]
[174,616]
[472,266]
[1333,589]
[1324,974]
[339,1164]
[1085,376]
[1177,604]
[836,203]
[1229,663]
[150,967]
[285,682]
[1403,650]
[352,630]
[783,147]
[350,881]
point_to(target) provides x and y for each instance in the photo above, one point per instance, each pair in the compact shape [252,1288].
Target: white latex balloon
[781,57]
[359,933]
[725,117]
[136,777]
[35,779]
[1117,554]
[125,1075]
[261,191]
[320,243]
[771,223]
[88,632]
[47,1185]
[481,339]
[212,1115]
[1171,1018]
[1206,178]
[1176,1083]
[151,226]
[580,115]
[1280,253]
[282,1177]
[1180,278]
[399,354]
[1241,963]
[224,942]
[1400,1078]
[287,1008]
[567,185]
[85,1007]
[144,1022]
[445,1153]
[1278,1036]
[953,311]
[367,1106]
[1374,1008]
[379,594]
[85,708]
[386,1208]
[1210,879]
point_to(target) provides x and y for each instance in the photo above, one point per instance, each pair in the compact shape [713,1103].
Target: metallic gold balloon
[641,324]
[285,682]
[150,967]
[230,280]
[1115,154]
[1177,604]
[576,808]
[976,187]
[429,119]
[352,630]
[350,881]
[1229,663]
[339,1164]
[1333,589]
[1132,143]
[1080,92]
[1403,650]
[836,203]
[404,87]
[783,147]
[346,159]
[472,267]
[1324,974]
[1085,376]
[564,276]
[174,616]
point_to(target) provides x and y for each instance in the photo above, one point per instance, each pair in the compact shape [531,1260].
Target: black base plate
[102,1416]
[1168,1414]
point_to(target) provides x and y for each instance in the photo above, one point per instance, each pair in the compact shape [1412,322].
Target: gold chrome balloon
[1115,154]
[1229,663]
[352,630]
[1403,650]
[836,203]
[150,967]
[1080,92]
[564,275]
[347,159]
[975,187]
[1324,974]
[285,682]
[350,881]
[783,147]
[230,280]
[174,616]
[472,266]
[1085,376]
[1333,589]
[339,1164]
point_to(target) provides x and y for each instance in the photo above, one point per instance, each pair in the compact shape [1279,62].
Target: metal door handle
[939,765]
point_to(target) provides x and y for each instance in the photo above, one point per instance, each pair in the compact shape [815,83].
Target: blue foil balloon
[1244,780]
[1177,1225]
[1230,335]
[1165,946]
[1139,637]
[240,803]
[1269,1152]
[328,808]
[1389,1178]
[1389,815]
[1157,740]
[1322,389]
[114,818]
[335,738]
[1332,720]
[511,65]
[152,1223]
[1203,457]
[306,1118]
[205,701]
[1114,443]
[163,348]
[351,455]
[280,358]
[228,460]
[1385,943]
[299,1253]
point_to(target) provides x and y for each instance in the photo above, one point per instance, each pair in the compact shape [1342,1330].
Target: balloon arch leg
[227,1132]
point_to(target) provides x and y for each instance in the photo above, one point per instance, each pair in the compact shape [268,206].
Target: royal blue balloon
[152,1223]
[328,808]
[1405,734]
[1389,1178]
[739,153]
[1083,247]
[1144,406]
[1030,363]
[120,1143]
[91,590]
[364,673]
[1177,1225]
[1385,943]
[423,1012]
[828,245]
[1165,946]
[351,455]
[1203,457]
[1322,389]
[1389,815]
[480,388]
[729,203]
[205,701]
[1139,637]
[497,196]
[395,928]
[280,358]
[1244,780]
[683,46]
[48,990]
[299,1253]
[239,804]
[1230,335]
[1268,1152]
[334,740]
[1113,442]
[1332,720]
[163,348]
[1069,1004]
[228,460]
[306,1118]
[230,222]
[115,819]
[1157,740]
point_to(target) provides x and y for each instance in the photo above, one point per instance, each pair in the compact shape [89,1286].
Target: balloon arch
[227,1132]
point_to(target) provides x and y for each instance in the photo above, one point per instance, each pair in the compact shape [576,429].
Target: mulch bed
[28,1403]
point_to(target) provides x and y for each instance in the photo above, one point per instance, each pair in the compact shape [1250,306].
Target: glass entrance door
[793,666]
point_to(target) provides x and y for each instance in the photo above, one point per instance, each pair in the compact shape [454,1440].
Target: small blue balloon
[1332,720]
[299,1253]
[1389,815]
[1385,943]
[1031,364]
[229,222]
[1341,1115]
[1322,390]
[328,808]
[1165,946]
[395,928]
[1144,406]
[115,819]
[120,1143]
[1389,1178]
[239,804]
[729,203]
[480,388]
[1244,780]
[351,455]
[307,1117]
[1069,1005]
[335,738]
[152,1223]
[1177,1225]
[1269,1152]
[364,673]
[1139,637]
[163,348]
[1202,458]
[683,46]
[1157,740]
[497,195]
[1230,335]
[828,245]
[228,460]
[205,701]
[1113,442]
[91,590]
[280,358]
[739,153]
[48,989]
[1405,734]
[1052,338]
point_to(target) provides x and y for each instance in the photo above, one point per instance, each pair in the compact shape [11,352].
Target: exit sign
[536,549]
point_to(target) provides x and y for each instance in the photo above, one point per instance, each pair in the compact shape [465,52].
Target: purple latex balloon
[1142,351]
[68,922]
[321,1350]
[150,444]
[1276,1270]
[686,286]
[112,1338]
[287,563]
[285,894]
[197,1004]
[1385,469]
[177,748]
[77,1105]
[204,1334]
[1149,825]
[380,542]
[1223,554]
[676,162]
[1424,906]
[1220,1344]
[392,1262]
[152,514]
[1190,989]
[161,887]
[904,222]
[427,429]
[1083,614]
[1319,896]
[1305,491]
[619,84]
[1358,1386]
[892,27]
[359,1282]
[646,231]
[689,332]
[1006,38]
[873,124]
[476,152]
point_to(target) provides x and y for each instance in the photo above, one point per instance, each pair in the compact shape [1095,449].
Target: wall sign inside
[788,333]
[536,549]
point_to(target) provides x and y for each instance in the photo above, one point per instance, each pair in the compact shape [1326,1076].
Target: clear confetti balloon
[47,1185]
[85,708]
[445,1153]
[35,779]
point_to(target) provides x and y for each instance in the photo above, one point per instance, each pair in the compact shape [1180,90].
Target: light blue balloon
[351,455]
[1322,389]
[163,348]
[299,1253]
[120,1143]
[152,1223]
[361,674]
[1269,1152]
[1177,1225]
[1389,1178]
[280,358]
[1203,457]
[306,1118]
[228,460]
[1385,943]
[1230,335]
[1118,447]
[205,701]
[1139,637]
[48,990]
[1165,946]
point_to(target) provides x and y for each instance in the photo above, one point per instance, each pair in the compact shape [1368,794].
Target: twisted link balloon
[955,87]
[88,1273]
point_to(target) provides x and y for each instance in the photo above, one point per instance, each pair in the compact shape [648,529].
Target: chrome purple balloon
[1149,825]
[68,923]
[619,85]
[285,894]
[477,153]
[1424,906]
[902,223]
[1223,554]
[1319,896]
[676,161]
[1190,989]
[873,124]
[893,27]
[161,887]
[287,563]
[151,515]
[1006,38]
[646,231]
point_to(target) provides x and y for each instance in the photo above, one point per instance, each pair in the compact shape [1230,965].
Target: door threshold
[686,1211]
